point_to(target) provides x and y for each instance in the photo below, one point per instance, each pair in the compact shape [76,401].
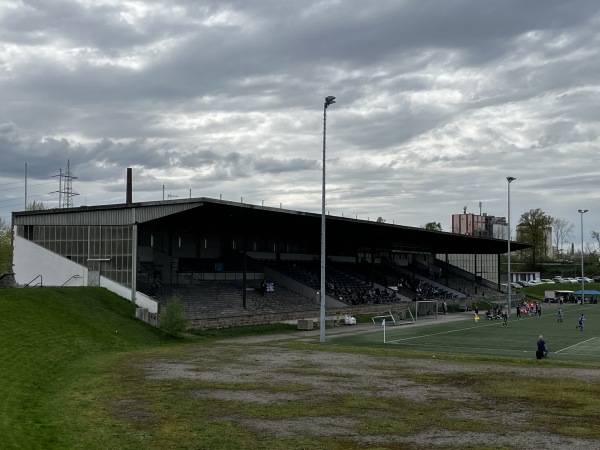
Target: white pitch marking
[442,332]
[574,345]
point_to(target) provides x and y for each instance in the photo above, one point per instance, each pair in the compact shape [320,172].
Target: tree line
[534,227]
[6,247]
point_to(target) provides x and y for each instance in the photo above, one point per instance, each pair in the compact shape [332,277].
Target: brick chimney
[128,199]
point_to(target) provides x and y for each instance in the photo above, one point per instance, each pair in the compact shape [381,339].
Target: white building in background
[468,224]
[487,226]
[480,225]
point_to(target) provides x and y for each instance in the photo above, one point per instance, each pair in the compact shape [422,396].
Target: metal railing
[37,284]
[74,276]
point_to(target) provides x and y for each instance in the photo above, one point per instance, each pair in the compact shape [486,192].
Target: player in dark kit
[542,351]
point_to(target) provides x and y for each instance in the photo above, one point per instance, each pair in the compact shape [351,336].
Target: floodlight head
[329,100]
[510,179]
[582,211]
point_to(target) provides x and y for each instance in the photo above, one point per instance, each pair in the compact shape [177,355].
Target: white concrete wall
[141,300]
[31,260]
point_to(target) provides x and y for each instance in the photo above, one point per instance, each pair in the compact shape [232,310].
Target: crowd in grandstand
[422,289]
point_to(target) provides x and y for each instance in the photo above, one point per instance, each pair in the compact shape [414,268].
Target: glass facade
[103,248]
[107,249]
[483,265]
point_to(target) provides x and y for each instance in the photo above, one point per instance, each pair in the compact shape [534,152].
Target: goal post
[394,316]
[426,309]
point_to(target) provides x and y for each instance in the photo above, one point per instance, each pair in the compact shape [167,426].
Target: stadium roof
[344,235]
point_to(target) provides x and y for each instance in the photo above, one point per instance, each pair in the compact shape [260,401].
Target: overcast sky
[437,103]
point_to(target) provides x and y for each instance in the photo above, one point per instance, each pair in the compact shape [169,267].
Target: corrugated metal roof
[343,234]
[103,215]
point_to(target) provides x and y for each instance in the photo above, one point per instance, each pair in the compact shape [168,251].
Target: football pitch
[490,338]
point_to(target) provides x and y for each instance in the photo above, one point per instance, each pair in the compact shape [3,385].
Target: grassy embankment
[64,366]
[72,377]
[537,292]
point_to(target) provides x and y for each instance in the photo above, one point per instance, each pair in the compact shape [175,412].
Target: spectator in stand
[263,287]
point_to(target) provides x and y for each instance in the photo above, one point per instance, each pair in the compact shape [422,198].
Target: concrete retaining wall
[7,280]
[256,319]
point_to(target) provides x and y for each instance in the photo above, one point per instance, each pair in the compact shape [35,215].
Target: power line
[12,182]
[21,202]
[29,185]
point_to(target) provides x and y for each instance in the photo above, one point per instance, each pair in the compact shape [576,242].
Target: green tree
[36,206]
[433,226]
[596,236]
[173,320]
[6,249]
[534,228]
[561,230]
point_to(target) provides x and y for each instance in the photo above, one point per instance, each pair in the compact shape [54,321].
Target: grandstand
[218,256]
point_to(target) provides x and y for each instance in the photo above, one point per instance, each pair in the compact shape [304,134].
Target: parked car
[597,279]
[513,285]
[547,281]
[571,280]
[558,280]
[534,282]
[586,279]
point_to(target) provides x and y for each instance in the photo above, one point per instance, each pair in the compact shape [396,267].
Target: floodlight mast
[509,280]
[329,100]
[581,213]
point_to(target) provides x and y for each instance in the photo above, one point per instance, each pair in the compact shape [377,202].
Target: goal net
[394,316]
[426,309]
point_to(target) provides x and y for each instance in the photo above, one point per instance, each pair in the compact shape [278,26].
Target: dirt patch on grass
[370,400]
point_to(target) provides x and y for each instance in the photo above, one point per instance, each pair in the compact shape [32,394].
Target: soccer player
[559,315]
[580,323]
[504,319]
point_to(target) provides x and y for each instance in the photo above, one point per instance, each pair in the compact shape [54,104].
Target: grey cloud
[437,101]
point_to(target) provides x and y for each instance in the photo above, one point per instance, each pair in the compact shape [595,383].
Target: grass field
[537,292]
[79,372]
[51,339]
[66,378]
[489,337]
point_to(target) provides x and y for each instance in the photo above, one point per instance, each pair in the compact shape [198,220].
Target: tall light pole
[581,213]
[510,180]
[328,101]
